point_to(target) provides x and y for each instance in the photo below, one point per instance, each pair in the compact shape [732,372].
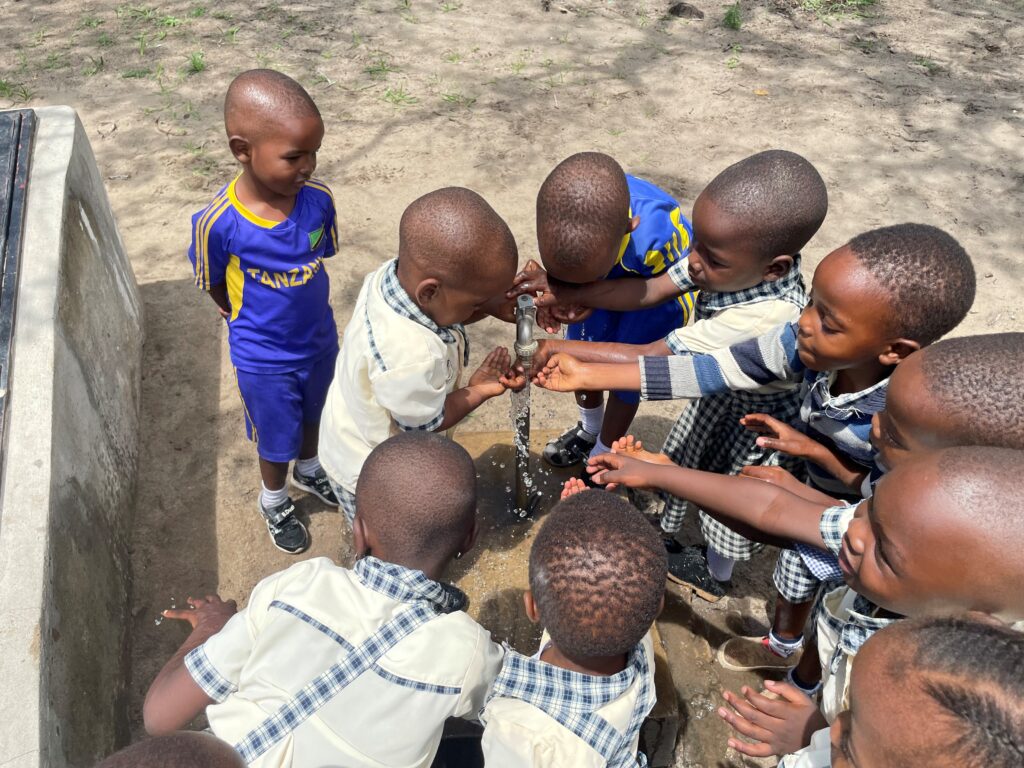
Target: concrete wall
[70,467]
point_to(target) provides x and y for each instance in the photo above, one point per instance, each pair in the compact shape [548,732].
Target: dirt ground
[911,110]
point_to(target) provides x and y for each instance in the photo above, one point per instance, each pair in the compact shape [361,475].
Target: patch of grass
[452,57]
[458,99]
[136,74]
[136,12]
[930,67]
[222,16]
[519,64]
[380,68]
[197,11]
[451,5]
[824,9]
[616,131]
[196,62]
[399,97]
[95,66]
[14,91]
[733,18]
[229,35]
[90,22]
[143,43]
[104,40]
[732,62]
[170,21]
[56,60]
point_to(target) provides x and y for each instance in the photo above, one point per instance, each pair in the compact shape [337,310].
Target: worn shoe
[689,568]
[570,448]
[743,654]
[317,484]
[287,531]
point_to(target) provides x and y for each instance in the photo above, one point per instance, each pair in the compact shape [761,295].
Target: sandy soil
[911,112]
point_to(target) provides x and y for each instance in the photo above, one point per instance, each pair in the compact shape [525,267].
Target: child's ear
[531,607]
[427,291]
[359,537]
[633,224]
[898,351]
[777,268]
[240,148]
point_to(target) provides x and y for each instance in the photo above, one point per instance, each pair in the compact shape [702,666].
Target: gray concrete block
[70,465]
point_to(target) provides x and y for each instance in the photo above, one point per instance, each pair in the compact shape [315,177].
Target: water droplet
[508,489]
[158,620]
[501,466]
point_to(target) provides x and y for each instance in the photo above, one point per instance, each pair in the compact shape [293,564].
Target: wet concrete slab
[683,730]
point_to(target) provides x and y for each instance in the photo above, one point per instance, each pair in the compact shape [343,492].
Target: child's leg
[308,474]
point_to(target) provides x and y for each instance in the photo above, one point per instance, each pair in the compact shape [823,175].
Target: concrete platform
[495,573]
[70,463]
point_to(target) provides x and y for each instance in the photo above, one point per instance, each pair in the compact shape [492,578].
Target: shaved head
[184,749]
[417,492]
[260,99]
[454,233]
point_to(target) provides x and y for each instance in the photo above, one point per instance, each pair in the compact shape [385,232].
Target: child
[258,250]
[403,351]
[597,583]
[185,749]
[944,692]
[330,666]
[942,533]
[749,225]
[875,300]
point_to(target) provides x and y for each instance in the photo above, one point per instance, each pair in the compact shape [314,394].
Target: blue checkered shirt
[790,287]
[573,698]
[825,565]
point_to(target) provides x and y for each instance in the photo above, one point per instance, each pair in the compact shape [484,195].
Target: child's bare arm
[779,436]
[564,373]
[785,480]
[621,295]
[219,294]
[761,506]
[174,699]
[491,379]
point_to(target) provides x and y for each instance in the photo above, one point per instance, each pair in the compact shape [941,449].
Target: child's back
[597,580]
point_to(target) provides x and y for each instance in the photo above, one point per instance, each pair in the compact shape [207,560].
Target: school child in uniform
[328,666]
[874,302]
[185,749]
[939,691]
[941,534]
[258,249]
[402,355]
[597,583]
[749,225]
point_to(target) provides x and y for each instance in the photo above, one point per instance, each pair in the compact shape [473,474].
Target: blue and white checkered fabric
[429,599]
[213,683]
[400,301]
[858,627]
[572,699]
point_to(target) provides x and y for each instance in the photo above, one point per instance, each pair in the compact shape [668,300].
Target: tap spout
[526,322]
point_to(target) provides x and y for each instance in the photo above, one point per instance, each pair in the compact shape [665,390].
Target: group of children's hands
[779,721]
[497,374]
[552,309]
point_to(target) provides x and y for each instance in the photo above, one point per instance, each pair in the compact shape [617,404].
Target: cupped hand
[776,726]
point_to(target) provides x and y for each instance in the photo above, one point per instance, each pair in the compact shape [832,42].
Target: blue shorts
[638,327]
[278,405]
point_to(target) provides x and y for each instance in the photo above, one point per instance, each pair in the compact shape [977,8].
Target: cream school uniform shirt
[391,715]
[519,735]
[817,755]
[392,372]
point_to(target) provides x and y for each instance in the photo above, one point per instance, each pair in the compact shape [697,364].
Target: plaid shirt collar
[857,626]
[399,300]
[407,585]
[789,287]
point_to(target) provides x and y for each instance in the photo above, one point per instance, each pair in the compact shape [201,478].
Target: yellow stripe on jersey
[236,284]
[245,408]
[686,301]
[676,217]
[201,238]
[625,244]
[259,221]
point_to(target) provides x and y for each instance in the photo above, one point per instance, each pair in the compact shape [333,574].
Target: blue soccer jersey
[280,318]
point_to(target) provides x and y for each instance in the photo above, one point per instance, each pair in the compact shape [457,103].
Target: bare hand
[562,373]
[225,313]
[634,449]
[572,486]
[778,726]
[778,436]
[532,279]
[612,470]
[495,374]
[209,614]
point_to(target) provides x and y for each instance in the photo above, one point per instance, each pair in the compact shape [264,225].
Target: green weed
[824,9]
[452,57]
[136,74]
[399,97]
[143,43]
[380,68]
[104,40]
[95,66]
[450,6]
[230,33]
[197,11]
[170,21]
[90,22]
[136,13]
[458,99]
[14,91]
[733,18]
[196,62]
[56,60]
[929,66]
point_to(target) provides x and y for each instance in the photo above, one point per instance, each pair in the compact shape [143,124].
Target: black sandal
[570,448]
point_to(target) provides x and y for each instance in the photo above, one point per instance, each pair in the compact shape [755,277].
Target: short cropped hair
[927,274]
[182,749]
[261,97]
[974,672]
[446,232]
[418,492]
[976,382]
[597,573]
[779,195]
[582,210]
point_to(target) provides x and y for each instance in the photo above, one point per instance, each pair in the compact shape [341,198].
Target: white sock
[591,419]
[308,467]
[599,448]
[782,647]
[270,499]
[719,566]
